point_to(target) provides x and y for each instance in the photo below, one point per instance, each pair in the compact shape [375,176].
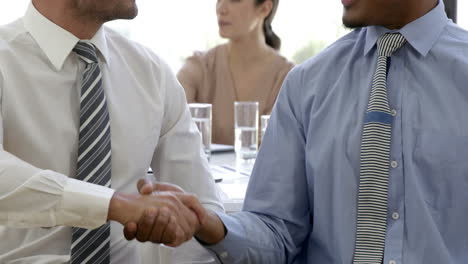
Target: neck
[62,13]
[248,49]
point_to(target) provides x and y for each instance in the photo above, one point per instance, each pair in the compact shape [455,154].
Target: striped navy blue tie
[375,158]
[94,155]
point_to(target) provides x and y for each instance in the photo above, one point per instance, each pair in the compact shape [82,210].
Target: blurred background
[175,28]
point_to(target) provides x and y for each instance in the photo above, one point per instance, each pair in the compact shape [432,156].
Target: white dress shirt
[150,127]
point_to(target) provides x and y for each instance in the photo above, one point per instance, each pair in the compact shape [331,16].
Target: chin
[129,13]
[133,12]
[223,34]
[352,22]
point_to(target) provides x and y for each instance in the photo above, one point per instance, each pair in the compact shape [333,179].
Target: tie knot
[86,51]
[389,43]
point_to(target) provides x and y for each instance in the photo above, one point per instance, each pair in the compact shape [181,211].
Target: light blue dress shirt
[301,203]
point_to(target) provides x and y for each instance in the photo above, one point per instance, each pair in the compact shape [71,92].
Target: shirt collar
[421,34]
[56,42]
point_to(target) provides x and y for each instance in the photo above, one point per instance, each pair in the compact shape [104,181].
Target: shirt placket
[396,212]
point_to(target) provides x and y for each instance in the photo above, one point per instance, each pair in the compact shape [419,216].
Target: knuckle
[173,197]
[162,223]
[140,239]
[165,212]
[170,237]
[156,237]
[128,236]
[188,236]
[192,197]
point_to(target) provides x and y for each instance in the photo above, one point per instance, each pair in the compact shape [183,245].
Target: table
[235,175]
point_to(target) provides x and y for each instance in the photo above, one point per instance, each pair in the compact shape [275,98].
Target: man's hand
[154,225]
[211,228]
[147,186]
[163,216]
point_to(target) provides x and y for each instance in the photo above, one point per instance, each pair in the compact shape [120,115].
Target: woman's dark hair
[271,38]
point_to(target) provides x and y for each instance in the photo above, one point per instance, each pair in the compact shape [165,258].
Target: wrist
[119,207]
[212,231]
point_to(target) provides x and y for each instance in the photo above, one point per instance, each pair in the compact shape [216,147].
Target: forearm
[250,238]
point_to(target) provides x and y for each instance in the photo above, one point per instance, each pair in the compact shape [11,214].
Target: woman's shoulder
[208,58]
[282,63]
[203,65]
[210,54]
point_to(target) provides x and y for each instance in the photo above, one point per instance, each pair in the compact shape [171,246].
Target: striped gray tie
[375,157]
[94,155]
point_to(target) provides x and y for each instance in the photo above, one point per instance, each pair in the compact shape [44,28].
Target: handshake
[164,213]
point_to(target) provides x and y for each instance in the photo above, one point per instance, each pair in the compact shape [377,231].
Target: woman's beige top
[207,78]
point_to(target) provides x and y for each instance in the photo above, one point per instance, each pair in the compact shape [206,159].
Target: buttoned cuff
[85,204]
[233,245]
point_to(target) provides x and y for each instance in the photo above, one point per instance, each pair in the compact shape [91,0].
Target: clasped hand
[170,216]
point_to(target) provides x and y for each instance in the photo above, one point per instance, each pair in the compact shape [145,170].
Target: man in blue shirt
[302,201]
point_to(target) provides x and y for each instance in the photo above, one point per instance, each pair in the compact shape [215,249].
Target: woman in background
[247,68]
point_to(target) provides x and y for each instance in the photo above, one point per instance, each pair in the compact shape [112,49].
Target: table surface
[235,174]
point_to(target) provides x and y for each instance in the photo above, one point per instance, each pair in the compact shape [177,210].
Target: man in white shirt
[40,86]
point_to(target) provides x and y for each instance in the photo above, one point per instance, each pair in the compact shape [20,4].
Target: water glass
[263,124]
[246,129]
[201,115]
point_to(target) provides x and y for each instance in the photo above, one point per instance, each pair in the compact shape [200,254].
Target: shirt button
[393,112]
[392,262]
[394,164]
[395,216]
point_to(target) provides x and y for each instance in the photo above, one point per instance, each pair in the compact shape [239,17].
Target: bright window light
[174,29]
